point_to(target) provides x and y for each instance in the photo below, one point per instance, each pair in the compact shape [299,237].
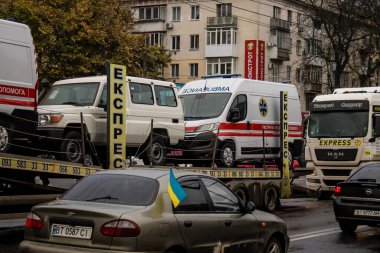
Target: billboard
[261,60]
[250,59]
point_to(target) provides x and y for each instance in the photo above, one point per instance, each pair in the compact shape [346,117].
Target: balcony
[313,88]
[221,50]
[279,24]
[229,21]
[279,54]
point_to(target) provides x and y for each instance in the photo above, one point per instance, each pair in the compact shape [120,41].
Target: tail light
[34,221]
[120,228]
[338,190]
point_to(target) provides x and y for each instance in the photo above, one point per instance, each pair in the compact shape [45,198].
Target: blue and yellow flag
[176,193]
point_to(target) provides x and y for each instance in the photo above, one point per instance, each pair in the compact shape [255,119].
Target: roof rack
[222,76]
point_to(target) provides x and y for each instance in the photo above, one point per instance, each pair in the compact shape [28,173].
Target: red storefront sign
[261,60]
[250,59]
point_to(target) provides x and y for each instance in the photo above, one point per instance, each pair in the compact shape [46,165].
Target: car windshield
[114,189]
[204,106]
[338,124]
[369,173]
[78,94]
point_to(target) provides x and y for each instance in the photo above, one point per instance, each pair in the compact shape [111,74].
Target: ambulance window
[240,102]
[141,93]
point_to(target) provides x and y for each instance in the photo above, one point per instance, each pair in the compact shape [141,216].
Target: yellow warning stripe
[47,167]
[238,173]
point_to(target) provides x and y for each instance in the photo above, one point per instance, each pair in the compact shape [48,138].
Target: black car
[357,200]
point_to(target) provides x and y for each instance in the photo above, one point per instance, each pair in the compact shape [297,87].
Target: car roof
[153,173]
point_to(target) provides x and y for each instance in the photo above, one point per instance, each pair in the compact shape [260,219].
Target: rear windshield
[114,189]
[370,172]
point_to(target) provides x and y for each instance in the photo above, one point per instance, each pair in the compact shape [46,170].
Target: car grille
[336,172]
[336,154]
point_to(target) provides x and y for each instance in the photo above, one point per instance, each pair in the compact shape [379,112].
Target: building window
[221,36]
[276,12]
[194,69]
[224,10]
[195,12]
[176,42]
[313,47]
[176,14]
[288,73]
[283,39]
[298,75]
[175,70]
[298,47]
[194,42]
[154,39]
[275,73]
[298,20]
[149,13]
[220,66]
[309,99]
[344,78]
[290,14]
[314,74]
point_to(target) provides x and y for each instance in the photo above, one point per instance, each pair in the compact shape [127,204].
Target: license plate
[71,231]
[360,212]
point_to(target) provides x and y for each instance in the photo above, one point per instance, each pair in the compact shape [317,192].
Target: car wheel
[270,199]
[5,137]
[273,246]
[71,147]
[227,155]
[158,151]
[348,227]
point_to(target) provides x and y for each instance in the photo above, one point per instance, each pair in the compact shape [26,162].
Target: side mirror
[233,115]
[249,207]
[102,105]
[376,125]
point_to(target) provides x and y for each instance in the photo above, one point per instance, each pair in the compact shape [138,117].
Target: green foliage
[77,38]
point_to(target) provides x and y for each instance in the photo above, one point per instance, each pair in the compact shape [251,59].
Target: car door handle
[188,223]
[228,223]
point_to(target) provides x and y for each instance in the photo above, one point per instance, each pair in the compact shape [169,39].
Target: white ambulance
[244,113]
[18,84]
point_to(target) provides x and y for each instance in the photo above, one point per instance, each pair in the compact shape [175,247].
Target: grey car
[131,211]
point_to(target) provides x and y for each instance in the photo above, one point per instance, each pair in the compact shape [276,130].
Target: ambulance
[18,84]
[243,115]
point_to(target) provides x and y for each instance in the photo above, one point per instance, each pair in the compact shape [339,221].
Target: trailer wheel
[270,199]
[242,193]
[5,137]
[71,147]
[227,155]
[159,152]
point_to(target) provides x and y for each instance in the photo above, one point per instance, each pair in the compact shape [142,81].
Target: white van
[241,109]
[59,116]
[18,84]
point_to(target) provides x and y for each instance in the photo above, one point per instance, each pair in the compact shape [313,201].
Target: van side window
[240,102]
[141,93]
[103,98]
[165,96]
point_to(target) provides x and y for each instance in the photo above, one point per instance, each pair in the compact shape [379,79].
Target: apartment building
[258,39]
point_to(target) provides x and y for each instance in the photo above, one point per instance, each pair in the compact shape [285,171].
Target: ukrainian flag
[176,193]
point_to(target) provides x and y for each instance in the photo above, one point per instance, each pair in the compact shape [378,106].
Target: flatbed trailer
[260,185]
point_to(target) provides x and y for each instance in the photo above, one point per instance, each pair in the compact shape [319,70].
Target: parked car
[131,211]
[357,200]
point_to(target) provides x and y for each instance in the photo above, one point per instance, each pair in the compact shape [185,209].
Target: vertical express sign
[285,186]
[117,98]
[261,60]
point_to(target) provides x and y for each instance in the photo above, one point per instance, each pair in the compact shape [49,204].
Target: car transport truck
[342,135]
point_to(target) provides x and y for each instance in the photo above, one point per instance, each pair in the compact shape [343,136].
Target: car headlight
[208,127]
[46,119]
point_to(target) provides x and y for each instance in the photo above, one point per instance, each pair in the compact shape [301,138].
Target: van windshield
[77,94]
[204,105]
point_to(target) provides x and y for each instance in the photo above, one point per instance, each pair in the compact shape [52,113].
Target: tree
[76,38]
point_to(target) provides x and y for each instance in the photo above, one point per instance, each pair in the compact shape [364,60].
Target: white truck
[147,99]
[18,84]
[243,114]
[342,135]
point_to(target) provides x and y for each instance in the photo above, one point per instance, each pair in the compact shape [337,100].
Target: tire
[71,149]
[241,192]
[159,152]
[227,155]
[270,199]
[348,227]
[5,137]
[273,246]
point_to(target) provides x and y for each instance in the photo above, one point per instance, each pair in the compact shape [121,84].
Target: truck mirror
[233,115]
